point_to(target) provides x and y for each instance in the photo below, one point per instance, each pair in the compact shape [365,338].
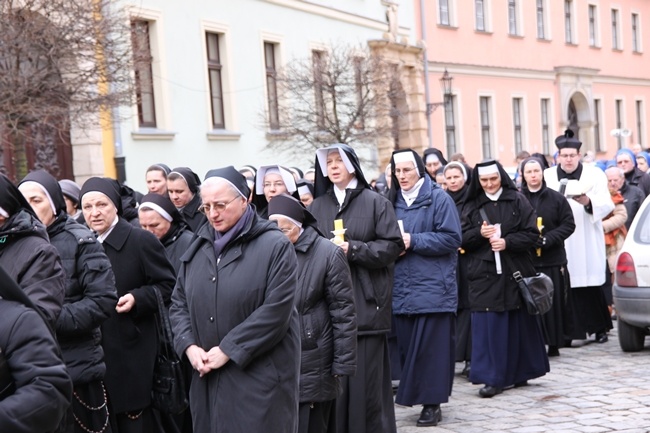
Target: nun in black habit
[457,185]
[26,253]
[555,217]
[183,188]
[507,342]
[372,242]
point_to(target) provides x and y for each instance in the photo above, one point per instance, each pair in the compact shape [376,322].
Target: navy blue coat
[425,277]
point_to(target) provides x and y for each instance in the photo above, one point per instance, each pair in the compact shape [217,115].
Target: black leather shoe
[489,391]
[601,337]
[465,371]
[553,351]
[521,384]
[431,415]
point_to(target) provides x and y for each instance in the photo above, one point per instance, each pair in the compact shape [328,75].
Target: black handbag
[537,292]
[168,393]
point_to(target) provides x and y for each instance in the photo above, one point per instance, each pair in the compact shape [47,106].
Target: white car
[631,288]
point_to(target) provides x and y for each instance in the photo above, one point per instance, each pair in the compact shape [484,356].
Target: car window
[642,233]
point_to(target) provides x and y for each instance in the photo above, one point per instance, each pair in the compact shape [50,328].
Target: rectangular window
[215,79]
[450,124]
[592,26]
[540,20]
[619,124]
[443,6]
[615,38]
[485,127]
[318,65]
[597,144]
[568,25]
[639,122]
[516,122]
[142,62]
[635,33]
[512,17]
[546,147]
[271,85]
[480,15]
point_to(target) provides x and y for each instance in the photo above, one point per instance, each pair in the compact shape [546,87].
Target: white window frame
[492,121]
[227,86]
[597,40]
[616,12]
[639,33]
[451,12]
[278,41]
[162,106]
[572,22]
[519,21]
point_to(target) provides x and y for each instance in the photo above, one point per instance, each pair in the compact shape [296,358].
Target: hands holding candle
[339,233]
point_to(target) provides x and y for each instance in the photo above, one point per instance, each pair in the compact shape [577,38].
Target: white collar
[340,193]
[495,196]
[101,238]
[411,194]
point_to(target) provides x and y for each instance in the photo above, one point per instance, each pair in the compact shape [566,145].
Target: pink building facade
[525,70]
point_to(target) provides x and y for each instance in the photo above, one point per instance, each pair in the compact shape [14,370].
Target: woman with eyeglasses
[372,242]
[425,293]
[129,336]
[272,180]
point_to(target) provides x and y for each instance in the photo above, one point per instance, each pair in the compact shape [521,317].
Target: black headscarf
[433,151]
[232,176]
[191,179]
[11,199]
[394,183]
[322,183]
[288,206]
[47,181]
[533,197]
[159,167]
[475,189]
[304,183]
[105,185]
[165,204]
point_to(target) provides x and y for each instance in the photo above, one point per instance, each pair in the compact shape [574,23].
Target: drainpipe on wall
[426,72]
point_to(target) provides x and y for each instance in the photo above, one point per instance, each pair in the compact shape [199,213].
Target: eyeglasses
[218,206]
[277,185]
[399,171]
[569,156]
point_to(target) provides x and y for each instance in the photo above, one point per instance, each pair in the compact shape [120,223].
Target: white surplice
[585,248]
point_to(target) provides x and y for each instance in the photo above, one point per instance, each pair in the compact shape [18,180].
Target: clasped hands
[488,231]
[204,362]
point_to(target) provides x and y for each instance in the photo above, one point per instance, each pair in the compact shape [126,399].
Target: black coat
[374,241]
[489,291]
[328,326]
[29,258]
[245,305]
[193,216]
[640,179]
[90,297]
[558,222]
[43,386]
[632,199]
[461,267]
[176,243]
[130,339]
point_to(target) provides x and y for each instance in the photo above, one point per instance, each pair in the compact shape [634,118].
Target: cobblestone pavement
[591,388]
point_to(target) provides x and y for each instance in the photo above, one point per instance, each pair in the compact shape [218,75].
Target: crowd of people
[296,298]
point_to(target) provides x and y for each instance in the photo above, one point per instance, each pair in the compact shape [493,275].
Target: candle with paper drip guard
[540,227]
[338,232]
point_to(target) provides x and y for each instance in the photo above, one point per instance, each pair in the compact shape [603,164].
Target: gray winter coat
[243,303]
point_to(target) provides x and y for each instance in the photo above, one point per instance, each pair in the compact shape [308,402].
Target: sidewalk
[591,388]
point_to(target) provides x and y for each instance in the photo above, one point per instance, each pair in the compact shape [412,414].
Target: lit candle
[539,227]
[338,225]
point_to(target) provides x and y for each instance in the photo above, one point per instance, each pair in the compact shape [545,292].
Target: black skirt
[556,320]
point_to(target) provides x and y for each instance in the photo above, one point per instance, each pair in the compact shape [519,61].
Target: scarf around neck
[221,240]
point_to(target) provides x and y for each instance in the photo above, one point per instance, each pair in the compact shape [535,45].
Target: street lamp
[445,85]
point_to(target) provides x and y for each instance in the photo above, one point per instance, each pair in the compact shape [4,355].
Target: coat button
[214,279]
[211,319]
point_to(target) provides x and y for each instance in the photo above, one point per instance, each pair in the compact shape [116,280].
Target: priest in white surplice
[589,198]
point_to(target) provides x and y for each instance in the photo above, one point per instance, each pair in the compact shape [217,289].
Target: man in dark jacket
[233,315]
[35,388]
[372,241]
[633,196]
[90,297]
[325,303]
[129,336]
[626,160]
